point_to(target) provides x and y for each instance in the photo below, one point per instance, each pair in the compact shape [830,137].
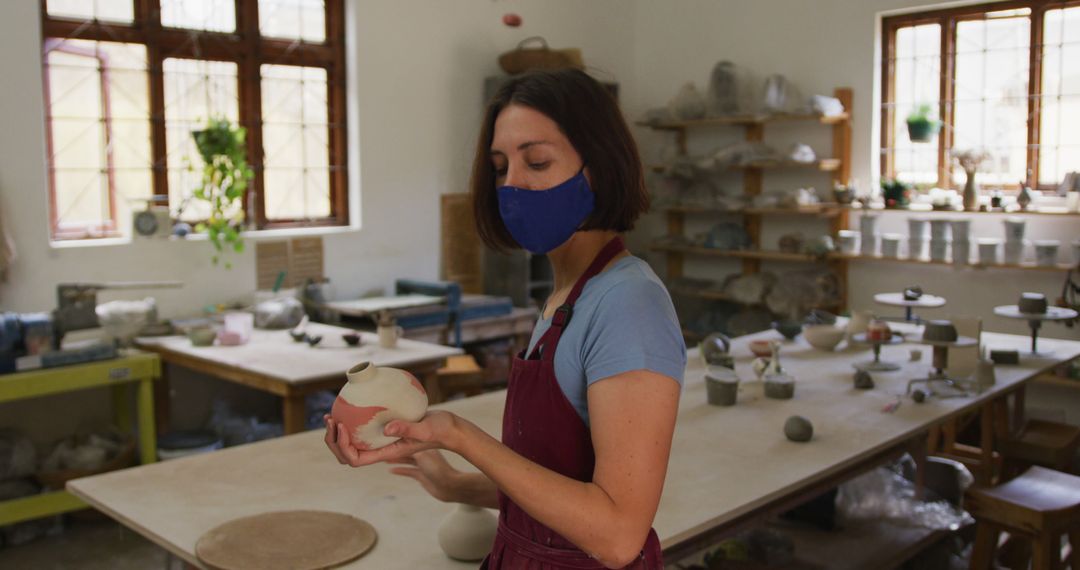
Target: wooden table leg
[147,433]
[294,412]
[1018,408]
[121,394]
[985,476]
[162,393]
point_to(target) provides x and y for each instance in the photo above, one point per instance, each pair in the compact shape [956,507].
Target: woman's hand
[436,430]
[433,472]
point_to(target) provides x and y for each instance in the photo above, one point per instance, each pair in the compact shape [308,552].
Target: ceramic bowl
[823,337]
[202,336]
[788,328]
[761,348]
[942,331]
[1032,303]
[298,336]
[351,339]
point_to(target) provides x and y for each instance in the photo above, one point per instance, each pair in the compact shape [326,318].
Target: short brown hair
[590,118]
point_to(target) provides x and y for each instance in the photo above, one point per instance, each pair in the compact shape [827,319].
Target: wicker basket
[522,58]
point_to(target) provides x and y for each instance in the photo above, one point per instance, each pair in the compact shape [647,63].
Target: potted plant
[896,194]
[225,177]
[921,124]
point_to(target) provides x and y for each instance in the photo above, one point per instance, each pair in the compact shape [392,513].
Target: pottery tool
[892,406]
[286,540]
[279,281]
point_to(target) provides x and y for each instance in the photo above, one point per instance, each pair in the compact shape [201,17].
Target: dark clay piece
[863,380]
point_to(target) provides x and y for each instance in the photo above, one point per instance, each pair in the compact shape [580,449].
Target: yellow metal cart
[118,374]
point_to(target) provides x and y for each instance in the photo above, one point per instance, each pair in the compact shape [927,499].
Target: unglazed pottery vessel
[372,398]
[468,533]
[823,337]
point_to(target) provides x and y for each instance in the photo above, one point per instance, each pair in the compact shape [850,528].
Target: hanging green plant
[225,177]
[921,124]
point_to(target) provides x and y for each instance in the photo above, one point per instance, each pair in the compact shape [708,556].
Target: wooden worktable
[273,362]
[728,465]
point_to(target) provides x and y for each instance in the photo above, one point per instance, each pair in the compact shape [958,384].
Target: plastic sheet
[885,494]
[236,429]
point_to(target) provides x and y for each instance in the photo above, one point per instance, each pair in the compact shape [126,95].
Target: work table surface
[725,462]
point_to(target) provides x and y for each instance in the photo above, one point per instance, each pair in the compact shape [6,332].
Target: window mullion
[247,24]
[947,91]
[1034,122]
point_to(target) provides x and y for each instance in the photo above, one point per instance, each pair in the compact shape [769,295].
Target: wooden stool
[1048,444]
[1040,505]
[461,374]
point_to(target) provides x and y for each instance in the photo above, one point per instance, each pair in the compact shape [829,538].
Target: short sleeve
[634,327]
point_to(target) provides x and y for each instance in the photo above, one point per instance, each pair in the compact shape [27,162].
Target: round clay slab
[294,540]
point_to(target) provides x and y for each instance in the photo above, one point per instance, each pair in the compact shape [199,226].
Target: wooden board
[286,540]
[300,258]
[726,463]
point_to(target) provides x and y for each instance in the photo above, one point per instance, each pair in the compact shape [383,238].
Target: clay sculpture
[467,533]
[372,398]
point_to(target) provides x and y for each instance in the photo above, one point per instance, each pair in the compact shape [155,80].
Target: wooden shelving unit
[839,165]
[922,261]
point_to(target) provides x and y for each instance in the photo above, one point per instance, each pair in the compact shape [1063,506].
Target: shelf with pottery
[824,165]
[948,262]
[748,120]
[928,209]
[839,166]
[826,210]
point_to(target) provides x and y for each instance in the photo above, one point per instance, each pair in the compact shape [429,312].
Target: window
[127,81]
[1003,78]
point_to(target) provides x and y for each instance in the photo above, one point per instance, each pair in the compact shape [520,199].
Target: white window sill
[255,235]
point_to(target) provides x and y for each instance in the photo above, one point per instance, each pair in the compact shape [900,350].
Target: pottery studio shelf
[760,255]
[824,165]
[1057,381]
[818,210]
[747,120]
[925,209]
[753,179]
[948,263]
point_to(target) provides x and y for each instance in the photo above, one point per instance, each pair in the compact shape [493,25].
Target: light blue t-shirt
[623,321]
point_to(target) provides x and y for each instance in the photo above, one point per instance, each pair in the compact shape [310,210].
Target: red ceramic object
[878,331]
[511,19]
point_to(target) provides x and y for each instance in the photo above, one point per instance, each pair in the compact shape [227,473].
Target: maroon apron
[540,424]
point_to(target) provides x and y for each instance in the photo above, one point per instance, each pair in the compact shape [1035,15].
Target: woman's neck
[570,260]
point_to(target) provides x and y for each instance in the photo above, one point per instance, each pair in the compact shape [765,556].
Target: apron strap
[562,315]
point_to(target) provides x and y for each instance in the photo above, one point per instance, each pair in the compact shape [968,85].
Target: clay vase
[467,533]
[372,398]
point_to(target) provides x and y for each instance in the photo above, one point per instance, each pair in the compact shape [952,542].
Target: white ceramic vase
[372,398]
[467,533]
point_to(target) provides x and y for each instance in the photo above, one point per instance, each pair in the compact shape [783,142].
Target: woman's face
[528,150]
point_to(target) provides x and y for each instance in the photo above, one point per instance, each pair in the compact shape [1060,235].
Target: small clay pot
[919,396]
[761,348]
[202,336]
[351,339]
[779,387]
[788,328]
[312,340]
[913,293]
[297,336]
[1032,303]
[715,350]
[722,390]
[799,429]
[940,331]
[863,380]
[878,330]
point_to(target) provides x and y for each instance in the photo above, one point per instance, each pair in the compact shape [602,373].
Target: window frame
[948,19]
[246,47]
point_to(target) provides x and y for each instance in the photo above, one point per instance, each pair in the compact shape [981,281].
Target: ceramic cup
[868,224]
[1046,252]
[848,240]
[1014,229]
[939,229]
[1014,252]
[961,252]
[890,245]
[389,335]
[961,230]
[988,251]
[917,228]
[939,249]
[721,387]
[1072,201]
[916,248]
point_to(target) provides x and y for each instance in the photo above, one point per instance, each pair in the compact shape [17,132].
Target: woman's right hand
[433,472]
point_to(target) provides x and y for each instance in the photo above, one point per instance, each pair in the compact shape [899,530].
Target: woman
[590,411]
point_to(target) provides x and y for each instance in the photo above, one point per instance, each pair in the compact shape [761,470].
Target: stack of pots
[1014,240]
[939,239]
[868,234]
[961,241]
[917,228]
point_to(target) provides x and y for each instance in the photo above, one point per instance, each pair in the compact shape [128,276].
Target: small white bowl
[823,337]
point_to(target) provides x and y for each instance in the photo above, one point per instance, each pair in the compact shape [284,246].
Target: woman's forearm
[477,490]
[581,512]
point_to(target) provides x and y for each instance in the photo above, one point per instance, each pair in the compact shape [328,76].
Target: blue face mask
[541,220]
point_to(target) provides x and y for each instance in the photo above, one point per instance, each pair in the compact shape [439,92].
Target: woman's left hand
[438,429]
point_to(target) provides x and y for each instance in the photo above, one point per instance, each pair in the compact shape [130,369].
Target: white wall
[819,45]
